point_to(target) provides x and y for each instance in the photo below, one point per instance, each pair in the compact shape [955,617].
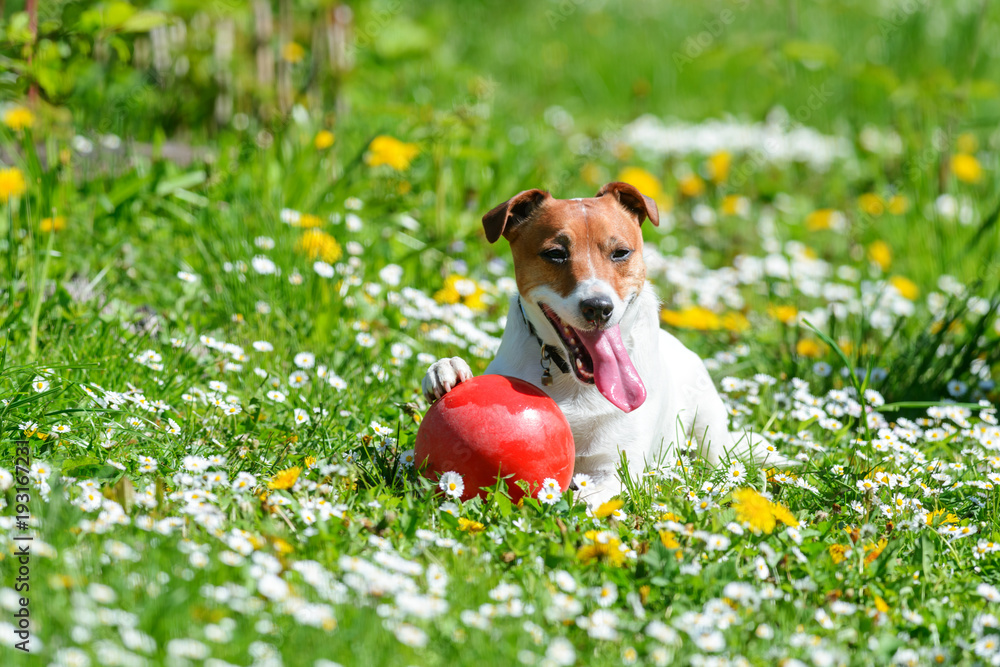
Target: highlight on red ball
[491,427]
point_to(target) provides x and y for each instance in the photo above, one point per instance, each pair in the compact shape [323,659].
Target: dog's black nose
[597,310]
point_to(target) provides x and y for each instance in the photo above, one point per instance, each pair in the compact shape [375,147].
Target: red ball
[496,425]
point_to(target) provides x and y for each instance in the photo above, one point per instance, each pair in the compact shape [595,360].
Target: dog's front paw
[445,375]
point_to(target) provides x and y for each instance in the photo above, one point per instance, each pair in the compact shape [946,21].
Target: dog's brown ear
[509,214]
[634,201]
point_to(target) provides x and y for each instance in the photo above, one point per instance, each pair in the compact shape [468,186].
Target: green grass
[99,307]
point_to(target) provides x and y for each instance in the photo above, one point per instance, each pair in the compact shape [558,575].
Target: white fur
[681,400]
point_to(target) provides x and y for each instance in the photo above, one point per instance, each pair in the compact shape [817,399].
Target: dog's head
[578,263]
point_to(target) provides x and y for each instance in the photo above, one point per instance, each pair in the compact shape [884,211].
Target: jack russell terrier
[585,326]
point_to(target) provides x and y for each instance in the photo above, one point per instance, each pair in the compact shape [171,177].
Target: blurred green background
[912,64]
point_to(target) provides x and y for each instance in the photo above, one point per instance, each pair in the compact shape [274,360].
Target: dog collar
[550,353]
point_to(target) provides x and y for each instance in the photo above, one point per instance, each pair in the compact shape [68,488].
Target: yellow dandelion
[880,253]
[285,479]
[906,287]
[18,118]
[754,509]
[281,546]
[459,289]
[644,181]
[324,139]
[881,605]
[823,218]
[608,508]
[760,513]
[669,540]
[57,224]
[308,220]
[784,314]
[899,204]
[966,168]
[871,204]
[735,322]
[782,514]
[838,552]
[735,205]
[809,348]
[11,184]
[875,550]
[470,526]
[939,518]
[692,317]
[293,52]
[692,186]
[718,166]
[603,552]
[319,245]
[386,150]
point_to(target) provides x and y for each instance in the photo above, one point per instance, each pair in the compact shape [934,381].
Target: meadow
[234,235]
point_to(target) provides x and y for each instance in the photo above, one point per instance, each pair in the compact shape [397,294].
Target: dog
[584,326]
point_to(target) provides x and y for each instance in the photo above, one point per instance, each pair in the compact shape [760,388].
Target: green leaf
[411,522]
[401,39]
[927,551]
[50,80]
[121,48]
[905,405]
[124,492]
[109,16]
[31,398]
[177,212]
[809,53]
[76,464]
[502,503]
[182,181]
[191,198]
[144,21]
[448,520]
[125,190]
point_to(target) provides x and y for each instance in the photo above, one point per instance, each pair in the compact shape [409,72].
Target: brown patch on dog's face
[567,241]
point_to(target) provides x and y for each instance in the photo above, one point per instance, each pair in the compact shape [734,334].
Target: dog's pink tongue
[614,374]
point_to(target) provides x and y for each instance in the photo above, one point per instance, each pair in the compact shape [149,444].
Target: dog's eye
[556,255]
[621,254]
